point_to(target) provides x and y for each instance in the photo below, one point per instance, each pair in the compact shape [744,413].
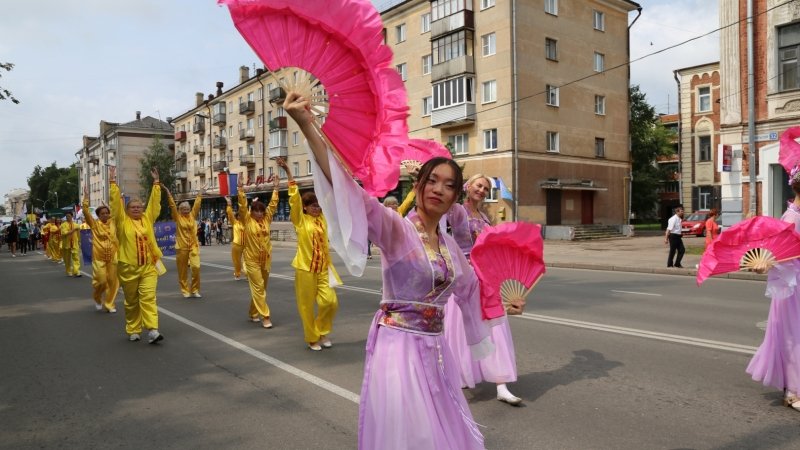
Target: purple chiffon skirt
[411,396]
[777,361]
[499,367]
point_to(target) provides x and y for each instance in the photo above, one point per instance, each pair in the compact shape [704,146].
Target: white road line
[636,293]
[697,342]
[319,382]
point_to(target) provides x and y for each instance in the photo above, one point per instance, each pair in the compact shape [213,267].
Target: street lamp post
[56,192]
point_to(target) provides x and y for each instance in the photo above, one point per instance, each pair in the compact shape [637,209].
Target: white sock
[503,391]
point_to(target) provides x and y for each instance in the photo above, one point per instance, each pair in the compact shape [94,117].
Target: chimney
[244,74]
[210,97]
[138,115]
[219,88]
[259,72]
[198,98]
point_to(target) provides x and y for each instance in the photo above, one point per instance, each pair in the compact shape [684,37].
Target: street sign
[763,137]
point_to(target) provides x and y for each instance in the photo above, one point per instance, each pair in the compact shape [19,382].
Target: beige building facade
[531,93]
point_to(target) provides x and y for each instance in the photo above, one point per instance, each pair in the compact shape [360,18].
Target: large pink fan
[789,153]
[509,260]
[349,79]
[758,242]
[419,151]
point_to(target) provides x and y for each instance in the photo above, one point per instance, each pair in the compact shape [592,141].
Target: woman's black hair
[427,168]
[100,208]
[258,206]
[309,198]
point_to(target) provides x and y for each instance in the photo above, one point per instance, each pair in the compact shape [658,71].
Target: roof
[150,123]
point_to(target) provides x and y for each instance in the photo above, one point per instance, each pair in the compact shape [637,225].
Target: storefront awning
[583,185]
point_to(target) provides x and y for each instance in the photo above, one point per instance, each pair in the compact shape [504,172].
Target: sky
[80,62]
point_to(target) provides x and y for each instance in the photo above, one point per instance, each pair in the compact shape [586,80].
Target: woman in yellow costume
[187,248]
[138,257]
[313,267]
[54,240]
[237,244]
[104,255]
[258,249]
[71,246]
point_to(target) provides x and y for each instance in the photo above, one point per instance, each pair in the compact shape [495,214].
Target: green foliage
[5,94]
[649,140]
[53,186]
[158,156]
[2,210]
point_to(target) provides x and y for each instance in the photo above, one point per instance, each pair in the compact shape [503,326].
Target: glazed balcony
[218,119]
[453,116]
[247,108]
[200,171]
[180,136]
[219,166]
[247,134]
[454,22]
[181,174]
[278,152]
[180,154]
[199,127]
[220,142]
[277,95]
[199,150]
[454,67]
[247,160]
[278,123]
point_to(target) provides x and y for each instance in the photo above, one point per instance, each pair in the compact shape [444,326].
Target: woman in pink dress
[466,222]
[777,361]
[410,395]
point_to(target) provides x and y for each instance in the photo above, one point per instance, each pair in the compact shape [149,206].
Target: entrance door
[587,207]
[553,207]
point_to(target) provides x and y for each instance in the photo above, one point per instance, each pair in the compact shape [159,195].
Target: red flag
[223,184]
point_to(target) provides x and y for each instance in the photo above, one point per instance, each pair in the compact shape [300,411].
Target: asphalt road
[607,360]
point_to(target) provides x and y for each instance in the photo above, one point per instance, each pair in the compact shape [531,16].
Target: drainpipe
[630,144]
[515,106]
[751,113]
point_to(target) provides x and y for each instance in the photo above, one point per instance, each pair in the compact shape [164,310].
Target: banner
[165,239]
[228,184]
[505,193]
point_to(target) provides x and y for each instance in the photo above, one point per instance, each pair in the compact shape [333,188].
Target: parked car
[695,223]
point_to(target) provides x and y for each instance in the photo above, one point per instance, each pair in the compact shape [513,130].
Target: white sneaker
[13,256]
[98,306]
[154,336]
[196,295]
[186,295]
[237,278]
[255,319]
[134,337]
[510,399]
[112,310]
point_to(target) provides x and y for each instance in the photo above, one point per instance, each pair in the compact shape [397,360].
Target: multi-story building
[239,131]
[776,106]
[669,190]
[532,93]
[699,129]
[121,145]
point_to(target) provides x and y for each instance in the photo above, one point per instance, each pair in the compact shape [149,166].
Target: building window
[459,143]
[704,99]
[788,56]
[704,196]
[444,8]
[551,49]
[427,106]
[551,95]
[426,23]
[704,148]
[489,91]
[400,32]
[271,171]
[453,92]
[260,121]
[402,70]
[261,148]
[600,105]
[426,64]
[452,46]
[599,62]
[490,139]
[296,169]
[552,141]
[488,44]
[295,138]
[487,4]
[599,21]
[551,7]
[260,92]
[600,147]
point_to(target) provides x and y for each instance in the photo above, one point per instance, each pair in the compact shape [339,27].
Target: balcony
[454,67]
[181,174]
[199,150]
[199,171]
[247,134]
[277,95]
[278,152]
[248,107]
[180,136]
[199,127]
[180,154]
[111,146]
[220,142]
[278,123]
[247,160]
[219,166]
[453,22]
[94,157]
[218,119]
[453,116]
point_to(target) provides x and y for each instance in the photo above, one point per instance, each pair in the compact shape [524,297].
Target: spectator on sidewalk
[12,236]
[24,233]
[712,228]
[674,238]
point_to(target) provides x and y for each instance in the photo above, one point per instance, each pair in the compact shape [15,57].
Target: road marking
[319,382]
[636,293]
[697,342]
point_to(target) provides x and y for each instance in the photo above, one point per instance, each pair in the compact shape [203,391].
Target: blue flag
[505,193]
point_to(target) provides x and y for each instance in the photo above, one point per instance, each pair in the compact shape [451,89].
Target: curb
[747,276]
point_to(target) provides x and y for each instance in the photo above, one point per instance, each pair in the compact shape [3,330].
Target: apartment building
[701,156]
[669,190]
[776,106]
[532,93]
[121,145]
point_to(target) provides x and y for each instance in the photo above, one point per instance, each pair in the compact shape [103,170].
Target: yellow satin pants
[54,250]
[186,259]
[258,277]
[236,257]
[139,286]
[105,281]
[72,260]
[310,288]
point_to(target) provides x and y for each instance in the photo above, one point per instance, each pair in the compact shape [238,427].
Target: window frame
[459,141]
[700,147]
[429,102]
[427,62]
[599,62]
[551,95]
[425,23]
[599,25]
[492,85]
[599,147]
[784,61]
[491,136]
[486,4]
[701,97]
[600,105]
[551,44]
[551,7]
[400,33]
[553,142]
[402,70]
[489,44]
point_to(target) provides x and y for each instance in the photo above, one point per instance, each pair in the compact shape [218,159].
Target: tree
[5,94]
[162,159]
[2,210]
[649,140]
[53,186]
